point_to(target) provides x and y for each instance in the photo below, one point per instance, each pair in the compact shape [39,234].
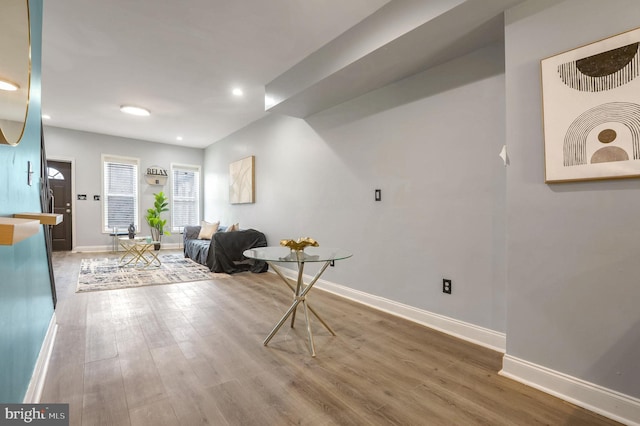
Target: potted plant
[154,219]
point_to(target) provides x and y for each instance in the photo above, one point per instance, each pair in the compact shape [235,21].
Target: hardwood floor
[192,353]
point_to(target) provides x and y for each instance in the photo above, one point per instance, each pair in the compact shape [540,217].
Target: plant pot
[156,235]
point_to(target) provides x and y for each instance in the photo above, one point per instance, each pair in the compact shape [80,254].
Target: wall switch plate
[446,286]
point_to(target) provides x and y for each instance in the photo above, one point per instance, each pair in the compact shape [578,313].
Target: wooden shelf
[44,218]
[13,230]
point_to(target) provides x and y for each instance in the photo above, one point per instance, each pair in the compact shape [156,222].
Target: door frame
[71,160]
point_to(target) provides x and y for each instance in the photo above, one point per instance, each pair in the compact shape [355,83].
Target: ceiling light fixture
[46,117]
[134,110]
[179,138]
[237,91]
[8,86]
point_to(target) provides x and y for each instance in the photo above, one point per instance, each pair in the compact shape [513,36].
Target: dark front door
[59,173]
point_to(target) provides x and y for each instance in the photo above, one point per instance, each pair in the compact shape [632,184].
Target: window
[120,192]
[53,173]
[185,200]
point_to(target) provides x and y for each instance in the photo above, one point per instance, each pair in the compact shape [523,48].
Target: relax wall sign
[156,175]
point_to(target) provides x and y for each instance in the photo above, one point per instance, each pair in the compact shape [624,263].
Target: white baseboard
[470,332]
[109,248]
[36,384]
[611,404]
[92,249]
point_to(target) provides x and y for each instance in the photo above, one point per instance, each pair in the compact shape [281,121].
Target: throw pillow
[233,227]
[207,229]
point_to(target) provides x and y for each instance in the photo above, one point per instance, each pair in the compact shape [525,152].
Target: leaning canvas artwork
[591,111]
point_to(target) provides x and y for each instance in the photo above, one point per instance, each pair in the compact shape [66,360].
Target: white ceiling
[179,59]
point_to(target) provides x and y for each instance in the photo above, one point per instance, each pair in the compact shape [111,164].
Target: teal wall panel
[26,305]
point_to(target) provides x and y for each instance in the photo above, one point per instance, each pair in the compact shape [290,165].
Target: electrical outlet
[446,286]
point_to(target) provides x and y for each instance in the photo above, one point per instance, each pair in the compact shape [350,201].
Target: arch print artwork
[591,110]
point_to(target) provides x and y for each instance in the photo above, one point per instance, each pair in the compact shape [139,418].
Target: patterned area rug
[105,274]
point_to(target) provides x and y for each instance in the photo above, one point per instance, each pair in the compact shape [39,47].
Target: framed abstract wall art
[591,111]
[242,181]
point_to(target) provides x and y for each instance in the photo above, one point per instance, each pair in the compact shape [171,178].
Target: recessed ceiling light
[179,138]
[134,110]
[237,91]
[46,117]
[8,86]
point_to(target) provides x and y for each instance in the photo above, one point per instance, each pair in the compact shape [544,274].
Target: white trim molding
[36,384]
[470,332]
[92,249]
[609,403]
[109,248]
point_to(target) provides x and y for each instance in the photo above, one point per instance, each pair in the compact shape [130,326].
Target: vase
[156,235]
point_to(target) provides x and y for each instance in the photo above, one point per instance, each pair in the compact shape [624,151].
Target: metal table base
[300,296]
[275,256]
[141,252]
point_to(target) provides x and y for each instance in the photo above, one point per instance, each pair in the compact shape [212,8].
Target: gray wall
[431,143]
[573,293]
[86,150]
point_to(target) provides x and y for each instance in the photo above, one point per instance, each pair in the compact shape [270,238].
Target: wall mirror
[15,69]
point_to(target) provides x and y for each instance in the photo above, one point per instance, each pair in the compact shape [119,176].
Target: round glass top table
[273,255]
[285,254]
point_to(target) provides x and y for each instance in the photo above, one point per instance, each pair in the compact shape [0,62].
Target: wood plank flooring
[192,354]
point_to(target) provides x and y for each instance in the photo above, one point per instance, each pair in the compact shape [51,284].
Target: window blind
[185,200]
[120,201]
